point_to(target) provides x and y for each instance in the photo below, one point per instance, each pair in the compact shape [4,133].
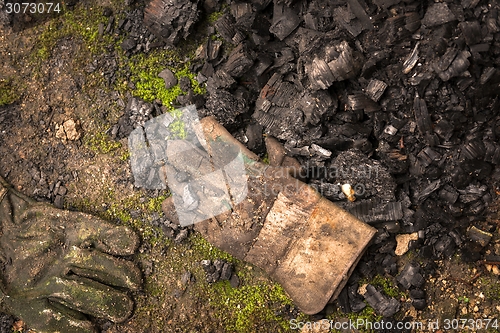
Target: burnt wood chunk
[170,20]
[360,13]
[243,13]
[285,21]
[437,14]
[375,89]
[226,27]
[340,63]
[240,60]
[423,120]
[471,31]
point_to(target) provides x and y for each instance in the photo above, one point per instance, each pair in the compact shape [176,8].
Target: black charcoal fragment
[479,236]
[170,20]
[375,89]
[168,76]
[285,20]
[437,14]
[410,276]
[383,305]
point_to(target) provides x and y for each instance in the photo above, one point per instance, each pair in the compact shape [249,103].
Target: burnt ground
[81,66]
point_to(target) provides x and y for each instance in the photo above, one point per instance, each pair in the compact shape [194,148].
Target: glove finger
[104,268]
[90,297]
[84,230]
[42,316]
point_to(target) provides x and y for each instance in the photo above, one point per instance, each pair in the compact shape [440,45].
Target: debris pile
[390,104]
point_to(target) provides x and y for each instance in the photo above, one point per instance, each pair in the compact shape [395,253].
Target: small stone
[235,281]
[168,76]
[227,271]
[186,277]
[129,44]
[59,202]
[403,242]
[182,235]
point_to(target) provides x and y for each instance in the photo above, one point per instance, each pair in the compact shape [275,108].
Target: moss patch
[144,70]
[101,143]
[8,92]
[242,309]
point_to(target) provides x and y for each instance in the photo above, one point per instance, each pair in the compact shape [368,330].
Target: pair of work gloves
[60,268]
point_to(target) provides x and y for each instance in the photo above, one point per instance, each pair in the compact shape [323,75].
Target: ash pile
[390,106]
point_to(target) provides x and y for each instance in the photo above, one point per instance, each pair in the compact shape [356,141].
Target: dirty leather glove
[276,222]
[59,267]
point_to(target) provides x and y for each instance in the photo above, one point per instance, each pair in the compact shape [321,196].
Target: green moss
[144,70]
[101,143]
[8,92]
[387,286]
[366,315]
[242,309]
[81,22]
[208,251]
[154,204]
[491,288]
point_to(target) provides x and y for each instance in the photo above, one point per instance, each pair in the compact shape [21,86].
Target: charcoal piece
[360,13]
[382,304]
[389,265]
[262,62]
[372,211]
[455,235]
[359,101]
[471,31]
[277,108]
[419,304]
[479,236]
[444,247]
[207,266]
[423,120]
[366,175]
[171,20]
[345,63]
[410,276]
[473,150]
[437,14]
[320,74]
[375,89]
[492,153]
[226,27]
[459,177]
[428,155]
[316,105]
[477,169]
[443,129]
[243,13]
[458,66]
[390,130]
[343,301]
[346,19]
[168,76]
[285,21]
[128,44]
[386,3]
[448,194]
[412,21]
[487,74]
[411,60]
[226,271]
[213,49]
[224,106]
[355,300]
[254,136]
[239,61]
